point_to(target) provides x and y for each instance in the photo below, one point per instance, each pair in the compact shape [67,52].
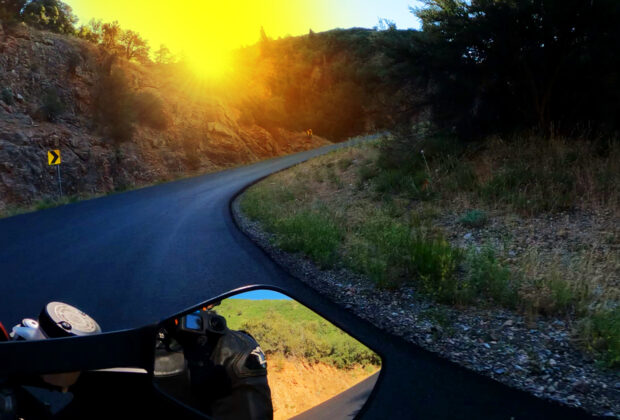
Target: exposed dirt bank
[297,386]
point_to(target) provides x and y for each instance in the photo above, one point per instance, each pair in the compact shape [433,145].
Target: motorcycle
[254,352]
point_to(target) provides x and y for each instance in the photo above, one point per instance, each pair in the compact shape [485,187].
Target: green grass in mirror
[287,328]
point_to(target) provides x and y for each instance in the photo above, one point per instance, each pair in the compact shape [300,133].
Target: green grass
[393,253]
[601,334]
[312,233]
[287,328]
[43,204]
[486,279]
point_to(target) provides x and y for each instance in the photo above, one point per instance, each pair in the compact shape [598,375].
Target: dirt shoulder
[519,347]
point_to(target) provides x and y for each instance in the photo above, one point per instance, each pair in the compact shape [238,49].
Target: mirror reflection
[260,355]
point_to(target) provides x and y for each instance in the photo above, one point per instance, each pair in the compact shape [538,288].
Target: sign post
[53,159]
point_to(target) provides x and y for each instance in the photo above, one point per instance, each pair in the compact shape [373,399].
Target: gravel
[538,356]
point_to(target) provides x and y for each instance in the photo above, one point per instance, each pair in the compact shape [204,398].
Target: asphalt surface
[134,258]
[344,406]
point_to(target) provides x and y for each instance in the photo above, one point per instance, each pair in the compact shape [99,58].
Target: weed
[438,315]
[333,177]
[600,334]
[367,171]
[474,218]
[7,96]
[345,163]
[312,233]
[487,278]
[393,253]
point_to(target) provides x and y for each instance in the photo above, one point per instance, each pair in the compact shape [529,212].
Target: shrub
[367,171]
[422,165]
[485,277]
[435,262]
[113,106]
[52,105]
[73,62]
[7,96]
[474,218]
[601,334]
[149,110]
[532,187]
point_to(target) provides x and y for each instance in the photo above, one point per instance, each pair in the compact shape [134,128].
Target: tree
[386,25]
[10,10]
[53,15]
[492,66]
[91,32]
[110,33]
[263,35]
[133,46]
[163,55]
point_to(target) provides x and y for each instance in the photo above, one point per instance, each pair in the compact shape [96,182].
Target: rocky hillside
[49,88]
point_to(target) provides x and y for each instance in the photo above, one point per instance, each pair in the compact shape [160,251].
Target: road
[134,258]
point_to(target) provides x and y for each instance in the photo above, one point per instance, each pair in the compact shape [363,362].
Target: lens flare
[204,32]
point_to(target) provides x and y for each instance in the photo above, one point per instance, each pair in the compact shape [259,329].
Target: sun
[210,64]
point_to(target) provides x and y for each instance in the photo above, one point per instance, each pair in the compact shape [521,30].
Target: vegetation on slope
[287,328]
[379,216]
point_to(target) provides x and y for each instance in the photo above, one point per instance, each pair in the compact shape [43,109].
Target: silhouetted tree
[133,46]
[110,33]
[163,55]
[499,65]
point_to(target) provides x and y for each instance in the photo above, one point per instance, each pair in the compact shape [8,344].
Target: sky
[205,30]
[261,295]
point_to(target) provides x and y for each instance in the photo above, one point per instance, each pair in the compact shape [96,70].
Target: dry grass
[532,175]
[572,284]
[297,385]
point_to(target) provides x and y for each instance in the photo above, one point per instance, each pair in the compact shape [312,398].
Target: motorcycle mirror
[261,354]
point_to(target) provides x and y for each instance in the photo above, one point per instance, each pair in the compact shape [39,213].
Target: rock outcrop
[204,132]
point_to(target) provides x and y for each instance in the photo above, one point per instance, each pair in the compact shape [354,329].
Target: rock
[467,236]
[508,323]
[486,345]
[500,371]
[552,362]
[19,98]
[581,386]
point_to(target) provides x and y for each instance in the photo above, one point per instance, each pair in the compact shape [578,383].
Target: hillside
[500,256]
[60,92]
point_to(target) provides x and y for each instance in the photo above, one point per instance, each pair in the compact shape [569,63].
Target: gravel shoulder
[536,355]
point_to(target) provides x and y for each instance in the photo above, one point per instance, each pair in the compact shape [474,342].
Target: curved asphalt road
[131,259]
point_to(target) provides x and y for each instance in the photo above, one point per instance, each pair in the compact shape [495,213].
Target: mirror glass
[261,354]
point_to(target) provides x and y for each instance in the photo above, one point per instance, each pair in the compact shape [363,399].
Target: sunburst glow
[205,31]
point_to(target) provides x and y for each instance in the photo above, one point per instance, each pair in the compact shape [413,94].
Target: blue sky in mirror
[261,295]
